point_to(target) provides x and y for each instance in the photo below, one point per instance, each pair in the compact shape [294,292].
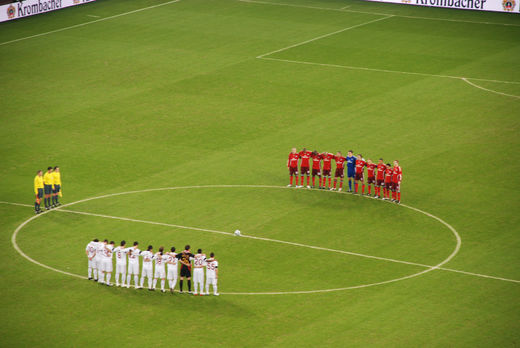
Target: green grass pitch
[176,96]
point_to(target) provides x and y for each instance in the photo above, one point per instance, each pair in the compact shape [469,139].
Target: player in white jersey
[171,265]
[160,260]
[107,261]
[90,250]
[199,261]
[211,274]
[120,253]
[100,251]
[133,265]
[147,267]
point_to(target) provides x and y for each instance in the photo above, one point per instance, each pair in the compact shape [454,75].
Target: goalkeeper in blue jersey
[351,166]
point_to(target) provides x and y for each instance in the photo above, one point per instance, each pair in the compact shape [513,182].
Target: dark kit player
[185,259]
[316,168]
[327,158]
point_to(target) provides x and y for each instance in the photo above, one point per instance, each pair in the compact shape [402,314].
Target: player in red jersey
[371,176]
[305,156]
[316,168]
[380,180]
[340,170]
[327,158]
[388,181]
[360,167]
[397,176]
[292,164]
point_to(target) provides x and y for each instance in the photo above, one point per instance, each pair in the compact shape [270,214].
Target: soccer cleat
[216,294]
[201,294]
[162,290]
[108,284]
[195,294]
[308,187]
[128,286]
[90,278]
[340,189]
[289,185]
[171,290]
[207,293]
[398,202]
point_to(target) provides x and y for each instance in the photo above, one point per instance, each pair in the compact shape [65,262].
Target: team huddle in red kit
[379,175]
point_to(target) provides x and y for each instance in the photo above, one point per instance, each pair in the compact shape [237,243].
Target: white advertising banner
[27,8]
[480,5]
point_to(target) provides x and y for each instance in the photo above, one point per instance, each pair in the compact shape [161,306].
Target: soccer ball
[237,232]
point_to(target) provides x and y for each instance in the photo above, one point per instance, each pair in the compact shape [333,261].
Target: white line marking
[93,16]
[385,70]
[87,23]
[344,7]
[377,13]
[323,36]
[489,90]
[430,268]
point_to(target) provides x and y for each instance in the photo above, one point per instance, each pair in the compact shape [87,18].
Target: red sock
[308,180]
[341,184]
[329,181]
[313,181]
[370,188]
[291,179]
[399,196]
[301,179]
[335,183]
[363,189]
[355,187]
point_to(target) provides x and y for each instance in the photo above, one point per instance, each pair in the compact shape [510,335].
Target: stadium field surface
[171,122]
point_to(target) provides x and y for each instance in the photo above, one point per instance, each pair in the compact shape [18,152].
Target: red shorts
[316,172]
[358,176]
[380,182]
[304,171]
[326,172]
[388,185]
[340,173]
[371,180]
[293,170]
[396,186]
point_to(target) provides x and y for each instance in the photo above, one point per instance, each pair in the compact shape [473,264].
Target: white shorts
[198,275]
[121,268]
[159,272]
[97,263]
[147,272]
[211,280]
[133,268]
[172,273]
[107,265]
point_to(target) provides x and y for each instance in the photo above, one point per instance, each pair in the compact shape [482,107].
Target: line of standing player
[385,178]
[100,266]
[48,187]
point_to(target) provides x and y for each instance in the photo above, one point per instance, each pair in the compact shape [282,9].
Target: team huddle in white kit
[100,266]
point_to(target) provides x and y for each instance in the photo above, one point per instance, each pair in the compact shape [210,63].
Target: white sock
[215,289]
[162,284]
[149,283]
[207,288]
[128,279]
[109,275]
[123,279]
[90,272]
[154,282]
[136,278]
[142,281]
[95,273]
[171,283]
[102,278]
[117,278]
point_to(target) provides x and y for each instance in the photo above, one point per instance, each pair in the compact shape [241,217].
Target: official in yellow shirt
[48,183]
[57,186]
[38,191]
